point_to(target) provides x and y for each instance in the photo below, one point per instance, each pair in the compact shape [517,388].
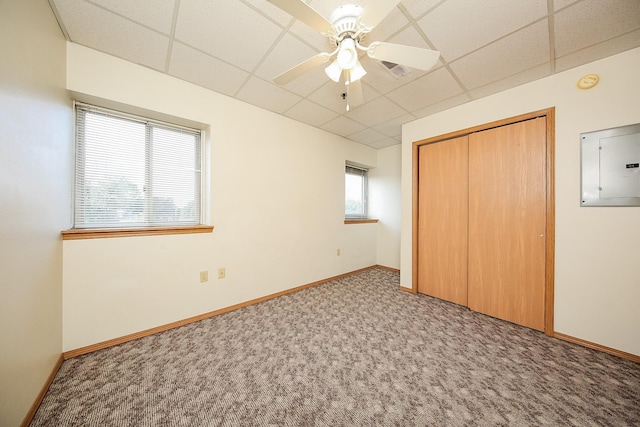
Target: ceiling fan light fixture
[347,55]
[357,72]
[334,71]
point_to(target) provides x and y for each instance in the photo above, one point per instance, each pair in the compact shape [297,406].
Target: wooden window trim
[360,221]
[100,233]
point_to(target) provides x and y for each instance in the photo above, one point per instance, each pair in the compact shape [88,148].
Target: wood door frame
[549,115]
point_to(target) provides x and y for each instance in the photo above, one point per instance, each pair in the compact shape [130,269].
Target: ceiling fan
[346,30]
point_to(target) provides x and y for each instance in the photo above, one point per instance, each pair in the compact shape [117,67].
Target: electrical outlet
[204,276]
[338,252]
[222,273]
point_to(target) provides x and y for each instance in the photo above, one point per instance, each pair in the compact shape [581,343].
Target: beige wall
[597,286]
[276,201]
[35,162]
[385,204]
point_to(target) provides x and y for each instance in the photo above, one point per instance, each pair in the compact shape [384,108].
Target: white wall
[597,286]
[385,204]
[276,202]
[35,165]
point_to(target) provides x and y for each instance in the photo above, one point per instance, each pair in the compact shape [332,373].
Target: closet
[484,214]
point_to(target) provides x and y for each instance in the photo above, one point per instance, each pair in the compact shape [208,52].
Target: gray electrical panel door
[611,167]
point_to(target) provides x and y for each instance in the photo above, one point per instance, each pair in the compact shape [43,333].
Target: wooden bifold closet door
[481,221]
[443,225]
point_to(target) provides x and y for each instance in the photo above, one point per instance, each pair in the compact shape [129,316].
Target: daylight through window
[134,172]
[355,203]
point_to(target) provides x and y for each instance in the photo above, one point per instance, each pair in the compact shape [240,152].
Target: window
[355,200]
[134,172]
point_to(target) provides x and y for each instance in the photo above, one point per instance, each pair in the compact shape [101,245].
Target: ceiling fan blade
[302,68]
[414,57]
[376,11]
[304,13]
[354,94]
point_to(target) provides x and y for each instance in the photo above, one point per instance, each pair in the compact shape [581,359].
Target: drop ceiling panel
[514,80]
[103,30]
[594,21]
[458,27]
[390,25]
[237,47]
[417,8]
[388,142]
[311,113]
[270,11]
[379,110]
[229,30]
[330,96]
[288,52]
[204,70]
[393,128]
[155,14]
[266,95]
[598,51]
[560,4]
[510,55]
[427,90]
[343,126]
[442,105]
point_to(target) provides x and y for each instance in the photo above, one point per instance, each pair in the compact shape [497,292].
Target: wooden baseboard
[36,403]
[594,346]
[395,270]
[116,341]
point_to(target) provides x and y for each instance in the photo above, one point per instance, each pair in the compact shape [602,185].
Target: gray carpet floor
[352,352]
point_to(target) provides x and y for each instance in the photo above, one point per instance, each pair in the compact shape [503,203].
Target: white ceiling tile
[266,95]
[390,25]
[367,135]
[382,80]
[311,37]
[393,127]
[593,21]
[560,4]
[388,142]
[418,7]
[156,14]
[342,126]
[513,54]
[427,90]
[377,111]
[107,32]
[308,82]
[442,105]
[229,30]
[272,11]
[514,80]
[599,51]
[288,52]
[311,113]
[237,47]
[330,95]
[199,68]
[458,27]
[410,37]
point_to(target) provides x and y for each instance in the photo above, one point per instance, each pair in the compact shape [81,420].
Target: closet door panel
[443,219]
[507,216]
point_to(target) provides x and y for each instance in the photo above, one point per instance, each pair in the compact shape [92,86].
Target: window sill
[359,221]
[99,233]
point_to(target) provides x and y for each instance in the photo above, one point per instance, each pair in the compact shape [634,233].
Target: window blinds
[134,172]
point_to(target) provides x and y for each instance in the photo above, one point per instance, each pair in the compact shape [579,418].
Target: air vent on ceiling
[396,70]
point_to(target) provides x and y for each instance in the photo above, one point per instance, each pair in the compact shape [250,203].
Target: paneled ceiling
[236,47]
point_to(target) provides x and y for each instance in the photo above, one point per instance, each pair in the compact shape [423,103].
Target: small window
[355,200]
[135,172]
